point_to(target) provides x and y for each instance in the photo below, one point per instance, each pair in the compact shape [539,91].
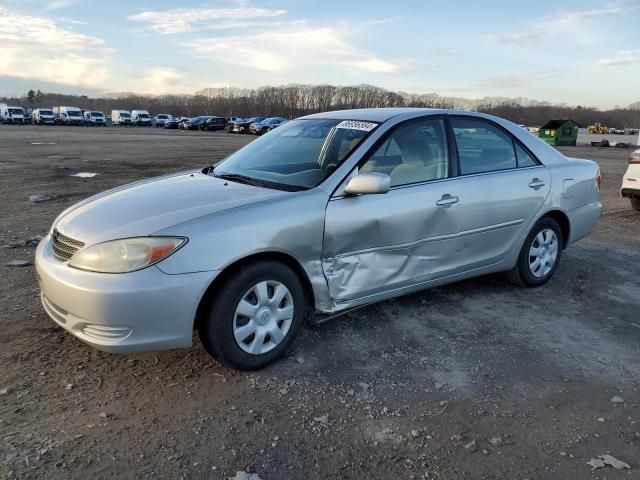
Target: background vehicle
[141,118]
[242,126]
[174,122]
[42,116]
[161,119]
[213,124]
[258,128]
[121,118]
[379,203]
[231,123]
[194,123]
[94,119]
[631,181]
[12,115]
[67,116]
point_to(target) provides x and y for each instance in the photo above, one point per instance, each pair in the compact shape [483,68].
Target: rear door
[501,188]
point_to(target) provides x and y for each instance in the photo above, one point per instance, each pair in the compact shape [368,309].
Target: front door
[377,243]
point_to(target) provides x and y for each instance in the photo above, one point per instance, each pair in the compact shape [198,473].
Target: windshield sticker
[356,125]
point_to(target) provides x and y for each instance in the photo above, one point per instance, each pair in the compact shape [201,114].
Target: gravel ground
[474,380]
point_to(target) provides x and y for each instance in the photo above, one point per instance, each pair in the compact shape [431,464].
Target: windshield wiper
[235,177]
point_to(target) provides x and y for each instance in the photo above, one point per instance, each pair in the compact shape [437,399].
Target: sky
[578,52]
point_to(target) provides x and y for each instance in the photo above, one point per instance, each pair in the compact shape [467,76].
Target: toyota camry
[327,213]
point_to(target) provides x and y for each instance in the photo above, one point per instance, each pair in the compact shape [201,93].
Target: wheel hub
[264,316]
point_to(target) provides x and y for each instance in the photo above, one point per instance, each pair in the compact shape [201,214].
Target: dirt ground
[476,380]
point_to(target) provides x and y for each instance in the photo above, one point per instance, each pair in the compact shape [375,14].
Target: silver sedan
[325,214]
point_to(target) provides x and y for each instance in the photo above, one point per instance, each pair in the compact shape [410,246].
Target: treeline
[296,100]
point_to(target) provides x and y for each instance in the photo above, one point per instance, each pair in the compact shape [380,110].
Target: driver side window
[414,153]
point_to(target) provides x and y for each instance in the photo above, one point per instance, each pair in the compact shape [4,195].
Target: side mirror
[368,183]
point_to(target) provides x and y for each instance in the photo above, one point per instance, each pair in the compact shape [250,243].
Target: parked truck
[94,119]
[67,116]
[12,115]
[121,118]
[141,118]
[42,116]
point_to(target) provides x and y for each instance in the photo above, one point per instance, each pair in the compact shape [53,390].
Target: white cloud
[162,80]
[181,20]
[515,38]
[278,51]
[573,24]
[623,57]
[35,47]
[58,4]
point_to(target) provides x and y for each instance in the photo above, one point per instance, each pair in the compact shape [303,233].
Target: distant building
[559,132]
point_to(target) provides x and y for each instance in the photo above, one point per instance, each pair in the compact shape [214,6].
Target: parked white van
[121,117]
[94,119]
[9,114]
[42,116]
[67,116]
[141,118]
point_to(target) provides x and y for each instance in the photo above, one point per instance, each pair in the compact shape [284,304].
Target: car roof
[373,114]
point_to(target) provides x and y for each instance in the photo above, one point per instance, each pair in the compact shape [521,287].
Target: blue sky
[575,52]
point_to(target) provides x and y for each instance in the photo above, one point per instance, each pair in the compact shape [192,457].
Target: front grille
[64,247]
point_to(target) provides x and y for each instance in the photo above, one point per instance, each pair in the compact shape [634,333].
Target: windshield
[125,115]
[163,117]
[74,113]
[46,112]
[297,156]
[97,114]
[143,115]
[16,111]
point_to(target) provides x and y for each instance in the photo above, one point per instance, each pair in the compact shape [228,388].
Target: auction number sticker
[357,125]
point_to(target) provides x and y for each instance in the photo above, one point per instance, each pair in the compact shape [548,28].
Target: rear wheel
[540,255]
[635,203]
[254,315]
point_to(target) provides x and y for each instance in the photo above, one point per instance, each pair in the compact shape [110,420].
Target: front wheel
[539,256]
[635,203]
[254,315]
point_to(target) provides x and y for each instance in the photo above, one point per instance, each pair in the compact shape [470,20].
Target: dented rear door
[375,243]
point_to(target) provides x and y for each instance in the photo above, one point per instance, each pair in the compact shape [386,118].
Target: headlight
[126,255]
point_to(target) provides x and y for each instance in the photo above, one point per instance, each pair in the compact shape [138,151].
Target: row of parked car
[253,125]
[72,116]
[65,115]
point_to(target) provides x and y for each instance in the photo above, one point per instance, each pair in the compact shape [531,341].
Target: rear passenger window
[524,159]
[482,147]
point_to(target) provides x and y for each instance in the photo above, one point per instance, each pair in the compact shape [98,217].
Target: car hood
[148,206]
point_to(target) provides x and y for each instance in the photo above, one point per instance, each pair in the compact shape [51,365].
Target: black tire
[521,274]
[635,203]
[216,325]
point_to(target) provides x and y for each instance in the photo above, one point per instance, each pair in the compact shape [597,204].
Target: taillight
[598,179]
[634,160]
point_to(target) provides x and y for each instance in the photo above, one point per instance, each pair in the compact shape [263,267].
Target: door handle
[536,183]
[447,200]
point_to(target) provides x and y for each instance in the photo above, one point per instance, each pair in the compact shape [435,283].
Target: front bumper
[120,313]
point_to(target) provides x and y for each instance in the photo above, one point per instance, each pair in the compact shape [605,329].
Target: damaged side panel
[374,243]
